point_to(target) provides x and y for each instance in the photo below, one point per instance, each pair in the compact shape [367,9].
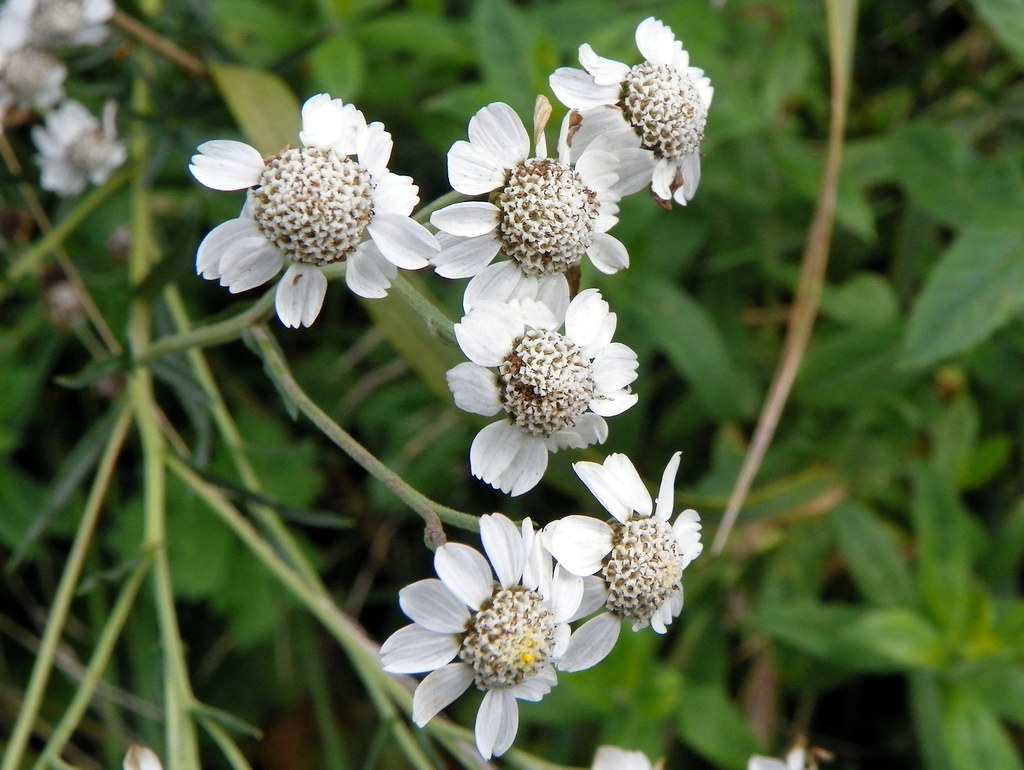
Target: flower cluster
[75,148]
[540,353]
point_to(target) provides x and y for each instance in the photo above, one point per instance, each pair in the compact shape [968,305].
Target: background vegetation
[869,595]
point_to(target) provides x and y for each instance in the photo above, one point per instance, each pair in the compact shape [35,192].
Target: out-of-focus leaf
[977,286]
[260,32]
[506,50]
[973,736]
[423,36]
[866,300]
[926,702]
[338,66]
[712,726]
[94,371]
[264,107]
[999,684]
[1006,549]
[954,435]
[933,164]
[873,556]
[1006,19]
[900,636]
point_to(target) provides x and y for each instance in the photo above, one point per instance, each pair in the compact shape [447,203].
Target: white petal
[141,758]
[667,491]
[413,649]
[611,404]
[474,171]
[662,177]
[300,295]
[608,254]
[373,146]
[539,685]
[614,368]
[578,543]
[497,130]
[323,121]
[465,572]
[475,389]
[575,88]
[604,128]
[656,42]
[765,763]
[504,282]
[689,167]
[599,170]
[463,257]
[367,272]
[438,690]
[486,332]
[430,604]
[394,194]
[507,458]
[468,219]
[566,594]
[219,241]
[504,547]
[589,323]
[224,164]
[613,758]
[687,531]
[636,166]
[606,72]
[402,241]
[591,643]
[616,485]
[253,268]
[497,723]
[595,594]
[588,429]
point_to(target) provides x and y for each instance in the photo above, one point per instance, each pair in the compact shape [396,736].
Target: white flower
[55,23]
[141,758]
[555,389]
[663,100]
[310,207]
[30,78]
[799,758]
[507,635]
[613,758]
[544,214]
[638,556]
[75,148]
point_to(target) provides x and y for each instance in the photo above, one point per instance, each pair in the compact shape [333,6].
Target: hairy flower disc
[313,204]
[546,382]
[643,568]
[510,640]
[29,71]
[547,217]
[664,106]
[92,152]
[58,20]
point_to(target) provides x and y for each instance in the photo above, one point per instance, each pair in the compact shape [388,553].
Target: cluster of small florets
[75,147]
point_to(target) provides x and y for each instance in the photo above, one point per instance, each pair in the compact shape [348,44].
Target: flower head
[55,23]
[800,757]
[506,634]
[311,207]
[638,556]
[614,758]
[544,214]
[30,78]
[663,101]
[554,388]
[76,149]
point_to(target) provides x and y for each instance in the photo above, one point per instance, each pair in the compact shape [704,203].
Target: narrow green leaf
[506,54]
[897,635]
[973,736]
[977,287]
[999,684]
[873,556]
[264,107]
[1006,19]
[338,66]
[712,725]
[926,703]
[94,371]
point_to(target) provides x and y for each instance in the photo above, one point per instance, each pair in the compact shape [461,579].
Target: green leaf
[866,300]
[506,47]
[927,705]
[873,556]
[261,32]
[1006,19]
[338,66]
[999,684]
[897,635]
[977,287]
[94,371]
[264,107]
[934,166]
[973,736]
[711,724]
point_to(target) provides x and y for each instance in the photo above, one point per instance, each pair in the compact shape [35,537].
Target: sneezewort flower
[311,207]
[504,636]
[76,149]
[30,78]
[555,389]
[55,23]
[638,557]
[663,100]
[543,214]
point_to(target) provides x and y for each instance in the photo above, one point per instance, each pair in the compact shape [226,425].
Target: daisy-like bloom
[544,214]
[613,758]
[638,556]
[55,23]
[76,149]
[663,100]
[141,758]
[311,207]
[30,78]
[555,389]
[505,636]
[799,758]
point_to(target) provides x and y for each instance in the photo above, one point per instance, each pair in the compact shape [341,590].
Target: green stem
[212,334]
[431,511]
[29,709]
[227,746]
[423,215]
[437,322]
[97,666]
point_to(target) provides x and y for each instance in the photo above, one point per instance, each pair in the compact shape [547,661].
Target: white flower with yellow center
[544,214]
[555,389]
[663,100]
[55,23]
[76,149]
[505,636]
[311,207]
[638,556]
